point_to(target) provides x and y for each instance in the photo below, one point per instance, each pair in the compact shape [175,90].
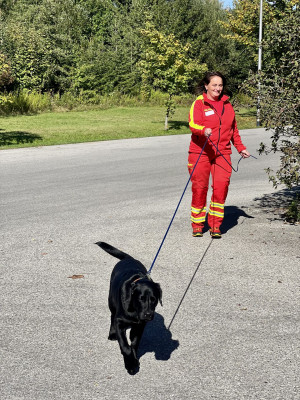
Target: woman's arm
[237,141]
[196,118]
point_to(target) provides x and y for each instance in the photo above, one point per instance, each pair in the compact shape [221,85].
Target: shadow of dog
[157,339]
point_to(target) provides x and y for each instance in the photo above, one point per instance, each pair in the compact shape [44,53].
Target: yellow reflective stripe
[215,213]
[218,205]
[198,210]
[192,123]
[200,219]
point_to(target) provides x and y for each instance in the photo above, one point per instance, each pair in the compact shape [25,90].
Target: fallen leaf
[76,276]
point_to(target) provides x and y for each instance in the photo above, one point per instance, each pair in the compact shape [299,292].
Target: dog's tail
[112,250]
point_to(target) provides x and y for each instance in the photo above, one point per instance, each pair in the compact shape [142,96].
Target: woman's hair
[206,79]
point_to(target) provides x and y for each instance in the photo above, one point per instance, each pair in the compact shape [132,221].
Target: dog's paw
[132,365]
[133,370]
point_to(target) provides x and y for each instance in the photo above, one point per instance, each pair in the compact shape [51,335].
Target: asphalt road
[229,325]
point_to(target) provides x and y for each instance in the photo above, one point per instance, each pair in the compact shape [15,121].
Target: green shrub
[243,100]
[293,213]
[31,102]
[24,102]
[38,101]
[66,101]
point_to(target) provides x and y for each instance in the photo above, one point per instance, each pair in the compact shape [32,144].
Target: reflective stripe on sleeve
[192,124]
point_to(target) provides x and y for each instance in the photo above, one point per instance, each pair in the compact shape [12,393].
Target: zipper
[219,120]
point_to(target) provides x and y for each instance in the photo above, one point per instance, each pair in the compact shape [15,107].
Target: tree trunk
[166,122]
[168,112]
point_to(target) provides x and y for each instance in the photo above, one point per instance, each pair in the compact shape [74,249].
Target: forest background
[61,55]
[85,49]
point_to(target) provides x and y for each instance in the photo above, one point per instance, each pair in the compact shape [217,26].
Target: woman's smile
[214,88]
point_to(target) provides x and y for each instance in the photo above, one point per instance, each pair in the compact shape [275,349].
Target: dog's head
[145,294]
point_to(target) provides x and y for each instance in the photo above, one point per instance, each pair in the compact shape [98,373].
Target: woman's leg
[200,180]
[221,172]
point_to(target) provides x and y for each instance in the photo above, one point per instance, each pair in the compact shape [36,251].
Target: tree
[279,92]
[27,51]
[6,77]
[280,105]
[197,22]
[96,45]
[242,23]
[108,62]
[41,38]
[166,65]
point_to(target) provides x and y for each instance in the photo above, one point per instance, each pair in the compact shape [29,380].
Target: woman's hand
[207,132]
[245,153]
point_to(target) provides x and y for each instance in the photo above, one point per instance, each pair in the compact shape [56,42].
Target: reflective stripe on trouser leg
[199,179]
[198,216]
[215,214]
[221,173]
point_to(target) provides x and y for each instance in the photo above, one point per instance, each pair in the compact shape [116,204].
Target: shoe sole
[215,236]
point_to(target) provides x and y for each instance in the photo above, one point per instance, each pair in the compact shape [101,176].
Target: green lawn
[95,125]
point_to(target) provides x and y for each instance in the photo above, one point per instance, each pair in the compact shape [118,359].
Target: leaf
[76,276]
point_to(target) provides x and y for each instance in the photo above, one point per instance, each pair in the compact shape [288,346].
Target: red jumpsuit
[222,121]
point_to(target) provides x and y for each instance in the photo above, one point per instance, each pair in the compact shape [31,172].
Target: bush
[66,100]
[24,102]
[293,213]
[30,102]
[243,100]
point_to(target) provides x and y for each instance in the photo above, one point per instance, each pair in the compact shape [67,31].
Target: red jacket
[224,129]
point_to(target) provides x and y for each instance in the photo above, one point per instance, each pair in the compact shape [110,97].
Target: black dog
[132,299]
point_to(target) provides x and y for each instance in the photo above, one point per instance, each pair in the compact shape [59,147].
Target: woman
[213,125]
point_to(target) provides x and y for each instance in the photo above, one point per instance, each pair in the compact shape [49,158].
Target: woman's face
[214,88]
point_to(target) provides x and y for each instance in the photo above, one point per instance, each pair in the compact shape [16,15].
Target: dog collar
[141,277]
[138,279]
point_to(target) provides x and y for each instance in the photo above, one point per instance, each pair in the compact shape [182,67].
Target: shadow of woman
[157,339]
[231,218]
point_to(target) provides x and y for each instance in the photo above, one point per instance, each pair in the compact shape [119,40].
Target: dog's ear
[126,295]
[132,290]
[157,285]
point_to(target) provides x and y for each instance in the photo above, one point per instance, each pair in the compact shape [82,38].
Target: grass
[55,128]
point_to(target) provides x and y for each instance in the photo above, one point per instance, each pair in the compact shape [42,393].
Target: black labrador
[132,299]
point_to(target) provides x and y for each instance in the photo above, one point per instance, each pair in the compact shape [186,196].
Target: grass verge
[55,128]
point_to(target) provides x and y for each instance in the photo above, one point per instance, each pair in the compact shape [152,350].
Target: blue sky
[227,3]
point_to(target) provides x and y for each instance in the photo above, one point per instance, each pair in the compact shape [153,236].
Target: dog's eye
[143,298]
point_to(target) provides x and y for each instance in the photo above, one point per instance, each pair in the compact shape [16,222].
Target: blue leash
[158,251]
[149,272]
[237,166]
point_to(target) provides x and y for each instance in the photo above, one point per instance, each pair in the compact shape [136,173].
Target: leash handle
[150,269]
